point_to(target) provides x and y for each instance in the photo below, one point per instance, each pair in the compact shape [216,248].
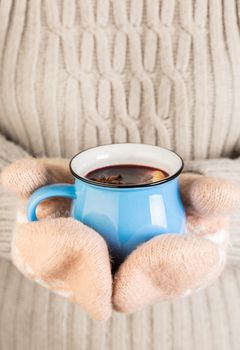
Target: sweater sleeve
[8,153]
[228,169]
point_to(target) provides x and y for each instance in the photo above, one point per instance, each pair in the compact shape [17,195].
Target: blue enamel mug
[125,215]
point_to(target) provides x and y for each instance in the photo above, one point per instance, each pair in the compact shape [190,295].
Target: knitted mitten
[59,252]
[170,266]
[72,259]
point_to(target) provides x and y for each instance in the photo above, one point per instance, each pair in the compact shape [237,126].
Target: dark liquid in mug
[127,174]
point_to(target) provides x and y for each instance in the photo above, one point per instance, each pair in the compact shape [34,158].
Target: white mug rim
[129,186]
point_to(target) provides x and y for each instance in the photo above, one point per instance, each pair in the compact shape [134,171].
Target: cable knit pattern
[79,73]
[76,74]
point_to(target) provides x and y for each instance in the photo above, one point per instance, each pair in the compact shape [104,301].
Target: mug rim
[107,185]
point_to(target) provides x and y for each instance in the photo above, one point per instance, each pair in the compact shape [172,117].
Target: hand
[72,259]
[58,252]
[172,265]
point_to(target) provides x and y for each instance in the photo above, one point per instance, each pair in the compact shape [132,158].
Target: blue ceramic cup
[125,215]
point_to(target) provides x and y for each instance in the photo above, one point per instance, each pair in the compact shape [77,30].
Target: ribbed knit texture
[8,153]
[34,319]
[75,74]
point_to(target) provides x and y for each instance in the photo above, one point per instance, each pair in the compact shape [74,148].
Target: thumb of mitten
[24,176]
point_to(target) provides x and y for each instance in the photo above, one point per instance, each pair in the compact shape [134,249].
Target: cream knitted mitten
[58,252]
[71,259]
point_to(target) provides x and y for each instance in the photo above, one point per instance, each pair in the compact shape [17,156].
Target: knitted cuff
[8,153]
[228,169]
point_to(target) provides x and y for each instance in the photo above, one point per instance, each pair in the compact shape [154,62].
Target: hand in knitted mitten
[59,253]
[172,265]
[72,259]
[26,175]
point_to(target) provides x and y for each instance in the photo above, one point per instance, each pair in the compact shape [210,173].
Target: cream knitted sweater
[79,73]
[75,74]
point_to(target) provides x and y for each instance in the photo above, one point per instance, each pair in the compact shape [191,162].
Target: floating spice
[127,174]
[113,179]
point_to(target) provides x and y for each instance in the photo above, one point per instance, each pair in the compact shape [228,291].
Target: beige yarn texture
[75,74]
[71,259]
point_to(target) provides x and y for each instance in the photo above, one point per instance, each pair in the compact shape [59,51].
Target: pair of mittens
[72,259]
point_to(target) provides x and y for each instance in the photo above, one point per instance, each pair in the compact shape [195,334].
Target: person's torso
[75,74]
